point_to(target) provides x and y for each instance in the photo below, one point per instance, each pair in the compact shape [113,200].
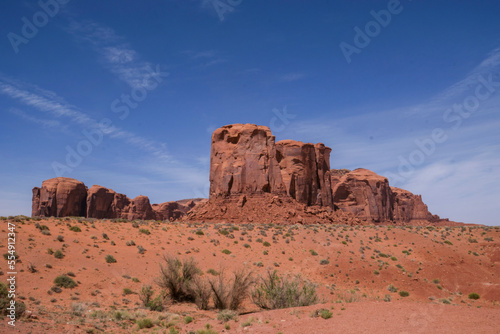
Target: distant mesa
[62,196]
[254,179]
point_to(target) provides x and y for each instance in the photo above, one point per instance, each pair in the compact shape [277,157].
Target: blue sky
[126,94]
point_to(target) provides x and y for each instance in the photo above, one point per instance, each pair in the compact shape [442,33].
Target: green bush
[226,251]
[199,232]
[58,254]
[64,281]
[325,314]
[404,293]
[75,228]
[276,292]
[474,296]
[110,259]
[188,319]
[266,244]
[144,231]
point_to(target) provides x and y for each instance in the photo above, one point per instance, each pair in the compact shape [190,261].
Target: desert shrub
[78,309]
[473,296]
[392,288]
[58,254]
[230,294]
[212,272]
[176,277]
[202,292]
[448,242]
[64,281]
[200,232]
[110,259]
[188,319]
[144,323]
[75,228]
[387,298]
[144,231]
[313,252]
[127,291]
[275,292]
[404,293]
[5,302]
[60,238]
[266,244]
[226,251]
[224,232]
[324,313]
[146,294]
[226,315]
[324,262]
[207,330]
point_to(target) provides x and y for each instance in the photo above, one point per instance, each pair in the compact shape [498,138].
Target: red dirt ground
[361,263]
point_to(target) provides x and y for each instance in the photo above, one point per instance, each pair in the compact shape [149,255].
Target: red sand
[350,275]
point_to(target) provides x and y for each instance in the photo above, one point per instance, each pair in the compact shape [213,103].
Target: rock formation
[60,197]
[253,178]
[369,197]
[364,193]
[409,208]
[243,161]
[246,160]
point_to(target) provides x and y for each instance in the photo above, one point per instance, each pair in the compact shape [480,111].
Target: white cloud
[116,54]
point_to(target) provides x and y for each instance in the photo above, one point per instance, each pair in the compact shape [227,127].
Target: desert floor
[352,267]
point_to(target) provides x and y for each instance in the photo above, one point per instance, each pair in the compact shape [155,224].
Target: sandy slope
[352,279]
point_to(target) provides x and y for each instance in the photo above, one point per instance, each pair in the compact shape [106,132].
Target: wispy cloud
[292,76]
[117,55]
[46,123]
[205,58]
[54,105]
[42,100]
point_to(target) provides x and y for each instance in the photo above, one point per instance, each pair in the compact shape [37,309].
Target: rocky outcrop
[246,160]
[409,208]
[252,177]
[365,194]
[59,197]
[243,161]
[369,197]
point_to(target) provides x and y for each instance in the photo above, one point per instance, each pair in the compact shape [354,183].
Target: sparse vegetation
[474,296]
[404,293]
[275,292]
[110,259]
[64,281]
[75,228]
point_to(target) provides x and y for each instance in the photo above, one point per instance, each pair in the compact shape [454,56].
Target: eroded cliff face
[409,208]
[243,161]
